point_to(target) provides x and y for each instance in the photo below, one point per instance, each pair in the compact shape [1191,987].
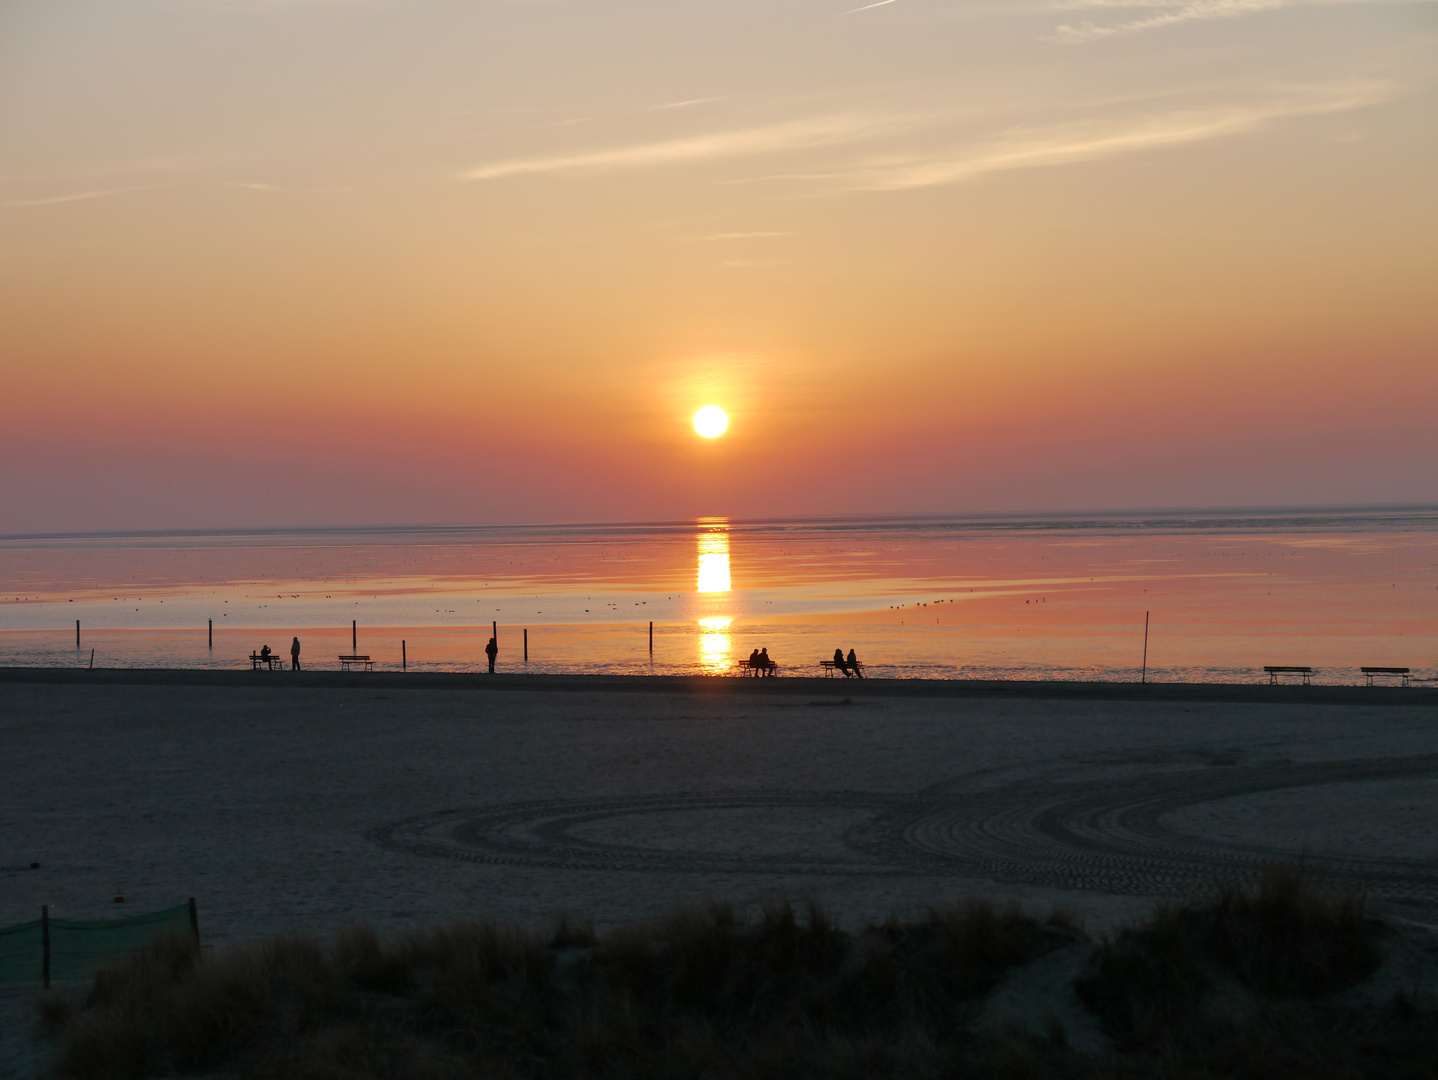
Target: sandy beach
[305,803]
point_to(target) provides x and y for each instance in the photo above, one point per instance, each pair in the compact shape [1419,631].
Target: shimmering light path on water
[1035,598]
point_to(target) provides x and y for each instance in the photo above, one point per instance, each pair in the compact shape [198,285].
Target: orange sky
[269,262]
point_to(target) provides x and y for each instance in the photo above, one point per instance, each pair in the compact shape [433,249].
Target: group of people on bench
[849,667]
[760,662]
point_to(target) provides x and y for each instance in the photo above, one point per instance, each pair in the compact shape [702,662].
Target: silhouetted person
[854,665]
[491,650]
[265,656]
[754,661]
[765,664]
[295,655]
[839,662]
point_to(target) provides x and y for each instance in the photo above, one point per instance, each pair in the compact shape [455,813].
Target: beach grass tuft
[1241,985]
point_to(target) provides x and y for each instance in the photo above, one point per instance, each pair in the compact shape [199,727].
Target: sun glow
[711,421]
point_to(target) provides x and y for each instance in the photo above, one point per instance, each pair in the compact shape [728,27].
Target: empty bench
[1274,672]
[1397,672]
[831,666]
[349,663]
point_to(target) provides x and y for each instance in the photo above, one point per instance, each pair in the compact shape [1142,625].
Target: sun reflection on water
[714,645]
[713,562]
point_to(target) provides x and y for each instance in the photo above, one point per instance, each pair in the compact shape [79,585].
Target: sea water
[1221,594]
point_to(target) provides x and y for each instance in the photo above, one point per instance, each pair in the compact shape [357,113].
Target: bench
[274,658]
[1275,672]
[756,667]
[1401,672]
[830,667]
[348,662]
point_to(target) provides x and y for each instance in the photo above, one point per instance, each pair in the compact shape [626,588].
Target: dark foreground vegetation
[1249,985]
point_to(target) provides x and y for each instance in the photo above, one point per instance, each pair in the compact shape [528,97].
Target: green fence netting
[78,948]
[22,953]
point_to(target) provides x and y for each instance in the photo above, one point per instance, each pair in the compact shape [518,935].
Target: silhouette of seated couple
[849,667]
[760,662]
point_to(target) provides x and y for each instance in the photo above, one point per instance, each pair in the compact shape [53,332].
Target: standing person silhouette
[491,650]
[853,664]
[295,655]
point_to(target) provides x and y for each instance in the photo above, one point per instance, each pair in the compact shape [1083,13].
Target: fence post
[194,920]
[45,944]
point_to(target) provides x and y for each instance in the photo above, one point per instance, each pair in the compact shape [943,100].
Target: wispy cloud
[1162,13]
[1027,149]
[80,196]
[771,138]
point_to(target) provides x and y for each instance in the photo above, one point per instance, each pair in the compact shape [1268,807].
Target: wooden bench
[348,662]
[1401,672]
[756,667]
[1275,672]
[831,666]
[256,660]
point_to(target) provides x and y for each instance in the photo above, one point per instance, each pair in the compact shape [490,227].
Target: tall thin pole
[403,656]
[494,631]
[1144,677]
[212,633]
[526,645]
[651,637]
[354,635]
[77,633]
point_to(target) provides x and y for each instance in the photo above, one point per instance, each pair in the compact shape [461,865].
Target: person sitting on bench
[754,660]
[853,665]
[265,656]
[839,662]
[765,664]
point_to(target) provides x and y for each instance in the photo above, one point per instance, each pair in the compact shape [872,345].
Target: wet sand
[286,802]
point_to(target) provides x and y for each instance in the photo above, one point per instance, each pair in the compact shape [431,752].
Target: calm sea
[1031,598]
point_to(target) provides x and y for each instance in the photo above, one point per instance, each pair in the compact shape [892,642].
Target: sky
[326,262]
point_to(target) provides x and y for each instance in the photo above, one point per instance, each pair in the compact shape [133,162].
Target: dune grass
[788,993]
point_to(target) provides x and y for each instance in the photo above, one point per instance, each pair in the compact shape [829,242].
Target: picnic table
[352,661]
[256,659]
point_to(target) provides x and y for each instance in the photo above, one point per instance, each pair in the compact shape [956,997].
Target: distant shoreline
[1237,693]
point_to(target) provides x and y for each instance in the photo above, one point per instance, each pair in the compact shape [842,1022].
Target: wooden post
[212,633]
[92,659]
[45,944]
[526,644]
[1144,677]
[77,633]
[354,637]
[194,920]
[494,630]
[651,637]
[403,656]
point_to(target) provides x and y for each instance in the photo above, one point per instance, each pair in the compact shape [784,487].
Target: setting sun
[711,421]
